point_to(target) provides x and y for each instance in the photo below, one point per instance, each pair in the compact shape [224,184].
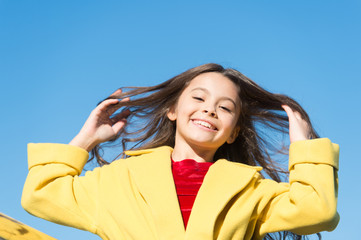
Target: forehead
[214,82]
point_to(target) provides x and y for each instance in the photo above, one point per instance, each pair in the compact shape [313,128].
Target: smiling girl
[194,171]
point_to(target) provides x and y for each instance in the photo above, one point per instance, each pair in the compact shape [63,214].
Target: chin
[202,144]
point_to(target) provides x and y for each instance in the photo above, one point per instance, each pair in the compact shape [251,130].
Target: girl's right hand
[101,126]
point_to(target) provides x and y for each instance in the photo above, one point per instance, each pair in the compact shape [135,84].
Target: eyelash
[198,98]
[226,109]
[222,107]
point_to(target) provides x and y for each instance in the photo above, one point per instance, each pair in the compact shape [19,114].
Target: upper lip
[207,121]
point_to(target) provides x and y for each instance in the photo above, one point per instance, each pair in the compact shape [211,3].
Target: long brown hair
[260,109]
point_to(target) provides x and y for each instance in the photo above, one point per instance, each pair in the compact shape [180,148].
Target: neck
[185,151]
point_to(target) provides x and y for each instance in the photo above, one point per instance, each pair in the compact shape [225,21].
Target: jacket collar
[152,173]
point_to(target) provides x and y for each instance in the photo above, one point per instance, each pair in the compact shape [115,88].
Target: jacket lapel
[153,176]
[222,182]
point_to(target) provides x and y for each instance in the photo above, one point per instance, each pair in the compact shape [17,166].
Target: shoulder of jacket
[239,165]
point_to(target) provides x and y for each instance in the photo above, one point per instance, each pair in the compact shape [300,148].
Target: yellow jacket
[135,198]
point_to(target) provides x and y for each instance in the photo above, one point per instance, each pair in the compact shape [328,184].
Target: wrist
[85,142]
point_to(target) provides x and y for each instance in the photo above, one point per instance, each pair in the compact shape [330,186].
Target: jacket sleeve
[307,204]
[53,189]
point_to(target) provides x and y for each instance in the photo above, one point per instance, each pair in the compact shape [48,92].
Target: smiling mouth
[205,124]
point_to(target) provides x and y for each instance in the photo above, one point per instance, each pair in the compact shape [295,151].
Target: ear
[171,114]
[234,135]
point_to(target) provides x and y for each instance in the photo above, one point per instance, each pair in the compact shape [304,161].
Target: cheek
[230,123]
[186,108]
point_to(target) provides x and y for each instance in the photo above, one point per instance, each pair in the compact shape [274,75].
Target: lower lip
[203,127]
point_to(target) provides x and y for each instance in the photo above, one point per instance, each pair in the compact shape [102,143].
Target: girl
[194,172]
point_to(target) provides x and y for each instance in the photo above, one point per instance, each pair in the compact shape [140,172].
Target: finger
[290,113]
[120,120]
[294,116]
[119,125]
[106,103]
[298,115]
[298,128]
[120,116]
[116,93]
[125,99]
[113,108]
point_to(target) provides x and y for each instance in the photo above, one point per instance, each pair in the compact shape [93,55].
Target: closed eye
[198,98]
[225,108]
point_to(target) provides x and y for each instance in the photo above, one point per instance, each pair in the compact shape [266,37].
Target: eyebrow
[223,98]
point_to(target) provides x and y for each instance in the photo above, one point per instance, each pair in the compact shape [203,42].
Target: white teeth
[204,124]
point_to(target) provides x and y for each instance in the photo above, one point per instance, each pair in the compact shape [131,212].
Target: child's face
[207,111]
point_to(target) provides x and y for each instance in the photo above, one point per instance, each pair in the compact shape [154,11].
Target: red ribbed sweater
[188,177]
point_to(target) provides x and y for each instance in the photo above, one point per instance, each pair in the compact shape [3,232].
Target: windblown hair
[259,109]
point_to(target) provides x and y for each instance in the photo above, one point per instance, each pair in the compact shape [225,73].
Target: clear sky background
[59,58]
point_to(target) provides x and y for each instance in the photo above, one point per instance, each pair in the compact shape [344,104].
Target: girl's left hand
[298,127]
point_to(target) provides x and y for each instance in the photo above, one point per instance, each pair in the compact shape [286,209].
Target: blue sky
[59,58]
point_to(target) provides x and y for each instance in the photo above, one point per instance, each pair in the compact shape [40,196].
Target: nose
[210,112]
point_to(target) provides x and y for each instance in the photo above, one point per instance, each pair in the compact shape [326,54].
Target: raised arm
[308,203]
[53,189]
